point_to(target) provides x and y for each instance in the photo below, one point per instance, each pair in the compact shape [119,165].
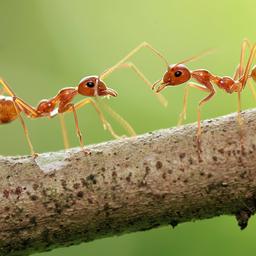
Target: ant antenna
[195,57]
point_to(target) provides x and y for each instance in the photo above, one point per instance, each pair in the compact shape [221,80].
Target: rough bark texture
[128,185]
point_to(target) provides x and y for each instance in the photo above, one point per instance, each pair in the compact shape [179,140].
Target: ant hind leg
[64,130]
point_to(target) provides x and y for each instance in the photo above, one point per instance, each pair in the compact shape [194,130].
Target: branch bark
[132,184]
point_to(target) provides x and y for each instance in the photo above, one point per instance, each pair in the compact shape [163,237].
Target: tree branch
[128,185]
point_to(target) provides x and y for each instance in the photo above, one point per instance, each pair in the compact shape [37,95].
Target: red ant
[178,74]
[11,106]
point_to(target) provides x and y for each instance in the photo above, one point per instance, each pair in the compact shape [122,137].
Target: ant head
[175,75]
[93,86]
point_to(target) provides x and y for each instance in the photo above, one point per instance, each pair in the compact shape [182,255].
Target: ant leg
[78,132]
[183,113]
[163,101]
[238,75]
[29,110]
[185,99]
[106,124]
[20,105]
[201,103]
[120,120]
[64,130]
[133,52]
[16,105]
[239,69]
[6,87]
[246,74]
[252,89]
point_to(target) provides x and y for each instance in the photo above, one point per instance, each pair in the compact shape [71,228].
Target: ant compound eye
[90,84]
[178,73]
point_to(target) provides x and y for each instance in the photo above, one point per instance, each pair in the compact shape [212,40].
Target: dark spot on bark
[6,208]
[242,218]
[103,169]
[6,193]
[92,178]
[142,183]
[127,158]
[52,175]
[35,186]
[243,174]
[128,178]
[83,181]
[224,184]
[182,169]
[159,165]
[80,194]
[90,201]
[114,174]
[202,173]
[76,186]
[186,181]
[164,176]
[115,153]
[33,221]
[182,155]
[169,171]
[190,160]
[209,175]
[221,151]
[63,184]
[215,158]
[58,208]
[18,191]
[33,197]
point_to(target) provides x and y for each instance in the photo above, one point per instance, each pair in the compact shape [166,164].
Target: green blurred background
[49,44]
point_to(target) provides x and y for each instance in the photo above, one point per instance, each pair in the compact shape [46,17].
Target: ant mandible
[178,74]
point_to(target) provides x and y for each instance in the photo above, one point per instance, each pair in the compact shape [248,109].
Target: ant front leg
[183,114]
[78,131]
[211,92]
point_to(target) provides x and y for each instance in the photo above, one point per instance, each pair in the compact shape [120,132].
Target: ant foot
[35,155]
[87,152]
